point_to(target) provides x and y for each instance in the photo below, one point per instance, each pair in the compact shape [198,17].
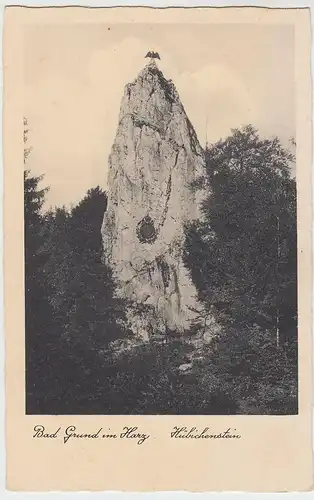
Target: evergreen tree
[37,308]
[86,315]
[93,308]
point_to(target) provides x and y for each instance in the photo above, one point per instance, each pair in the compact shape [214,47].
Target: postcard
[158,249]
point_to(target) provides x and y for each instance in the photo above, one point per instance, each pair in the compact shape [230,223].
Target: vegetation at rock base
[242,258]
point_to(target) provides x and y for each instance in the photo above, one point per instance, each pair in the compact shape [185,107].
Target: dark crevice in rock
[141,169]
[163,267]
[149,272]
[176,159]
[147,267]
[168,193]
[176,286]
[139,139]
[151,93]
[142,177]
[175,145]
[139,122]
[193,138]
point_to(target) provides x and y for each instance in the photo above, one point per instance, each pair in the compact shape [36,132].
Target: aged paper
[135,362]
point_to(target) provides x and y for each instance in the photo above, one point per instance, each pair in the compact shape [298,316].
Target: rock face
[154,162]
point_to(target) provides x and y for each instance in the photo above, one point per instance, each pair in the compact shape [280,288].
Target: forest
[242,258]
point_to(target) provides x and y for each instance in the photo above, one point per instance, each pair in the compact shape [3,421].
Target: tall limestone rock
[155,160]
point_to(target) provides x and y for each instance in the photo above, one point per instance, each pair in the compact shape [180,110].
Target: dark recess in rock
[164,269]
[146,231]
[176,283]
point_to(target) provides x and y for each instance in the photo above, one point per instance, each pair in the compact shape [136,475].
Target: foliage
[81,285]
[243,260]
[36,305]
[82,315]
[248,367]
[242,257]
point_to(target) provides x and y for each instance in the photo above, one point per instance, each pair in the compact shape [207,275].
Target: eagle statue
[153,55]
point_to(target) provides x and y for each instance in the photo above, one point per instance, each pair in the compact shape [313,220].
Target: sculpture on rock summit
[152,55]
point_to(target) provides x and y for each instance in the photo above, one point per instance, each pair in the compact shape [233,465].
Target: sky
[74,76]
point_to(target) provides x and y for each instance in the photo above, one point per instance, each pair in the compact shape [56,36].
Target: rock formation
[154,163]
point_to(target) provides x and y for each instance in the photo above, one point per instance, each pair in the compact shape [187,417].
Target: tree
[86,316]
[37,308]
[36,303]
[246,367]
[33,202]
[243,255]
[93,307]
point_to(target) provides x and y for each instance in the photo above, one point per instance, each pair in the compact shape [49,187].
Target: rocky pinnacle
[154,163]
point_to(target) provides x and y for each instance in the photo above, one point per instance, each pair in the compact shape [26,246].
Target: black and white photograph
[160,219]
